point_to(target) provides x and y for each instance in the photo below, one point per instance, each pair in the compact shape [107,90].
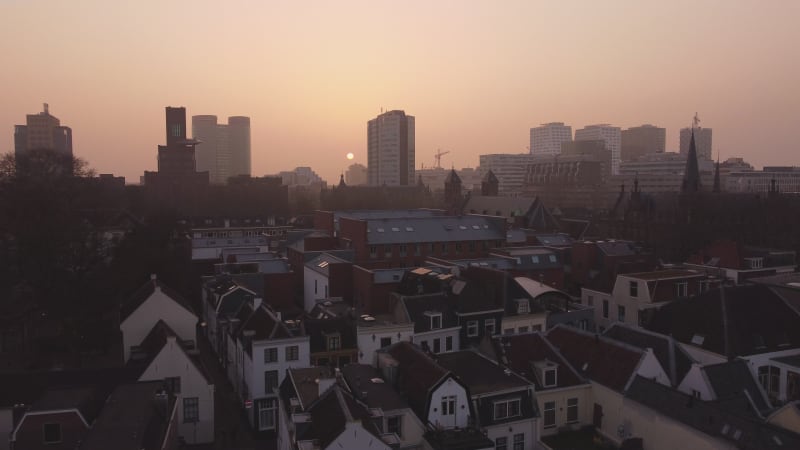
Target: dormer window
[682,289]
[333,341]
[435,318]
[754,263]
[506,409]
[546,372]
[634,288]
[523,306]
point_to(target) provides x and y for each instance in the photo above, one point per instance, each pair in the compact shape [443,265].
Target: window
[448,343]
[523,306]
[394,424]
[508,331]
[292,353]
[270,381]
[696,394]
[387,250]
[621,313]
[550,377]
[191,410]
[489,326]
[501,443]
[590,300]
[386,341]
[424,345]
[266,413]
[173,384]
[524,329]
[52,433]
[448,405]
[682,289]
[444,248]
[271,355]
[572,410]
[552,258]
[472,328]
[605,309]
[437,345]
[506,409]
[458,248]
[315,286]
[549,414]
[417,249]
[436,321]
[519,441]
[403,250]
[373,251]
[334,342]
[471,246]
[634,288]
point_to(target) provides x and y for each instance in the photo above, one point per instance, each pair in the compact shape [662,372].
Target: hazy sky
[477,75]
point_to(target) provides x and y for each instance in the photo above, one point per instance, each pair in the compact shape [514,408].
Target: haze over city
[475,75]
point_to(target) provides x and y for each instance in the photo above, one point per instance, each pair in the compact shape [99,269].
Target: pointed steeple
[341,181]
[490,185]
[717,188]
[691,175]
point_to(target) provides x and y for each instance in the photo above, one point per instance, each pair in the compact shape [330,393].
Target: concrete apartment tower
[42,131]
[612,136]
[547,138]
[642,140]
[224,149]
[390,150]
[702,142]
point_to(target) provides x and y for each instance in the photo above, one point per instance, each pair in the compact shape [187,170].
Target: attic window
[333,341]
[323,264]
[436,319]
[535,259]
[698,339]
[380,230]
[549,377]
[523,306]
[395,229]
[476,227]
[552,258]
[409,228]
[462,227]
[546,372]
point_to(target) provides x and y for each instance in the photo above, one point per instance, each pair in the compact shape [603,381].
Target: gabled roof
[597,358]
[154,343]
[758,320]
[481,375]
[734,379]
[675,361]
[143,293]
[418,374]
[87,400]
[519,351]
[712,418]
[330,414]
[132,419]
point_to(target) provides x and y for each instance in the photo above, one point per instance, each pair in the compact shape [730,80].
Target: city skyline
[476,77]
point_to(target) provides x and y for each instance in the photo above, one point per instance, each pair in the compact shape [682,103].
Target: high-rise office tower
[642,140]
[547,138]
[176,159]
[223,150]
[702,142]
[610,135]
[390,149]
[42,131]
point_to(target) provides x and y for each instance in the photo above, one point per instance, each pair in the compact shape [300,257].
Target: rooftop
[481,375]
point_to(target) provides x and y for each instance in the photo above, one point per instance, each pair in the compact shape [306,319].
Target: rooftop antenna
[696,121]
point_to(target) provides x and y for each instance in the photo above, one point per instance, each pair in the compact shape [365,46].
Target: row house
[332,341]
[755,322]
[262,347]
[163,356]
[436,327]
[152,302]
[504,404]
[596,264]
[635,296]
[563,396]
[59,419]
[319,412]
[222,298]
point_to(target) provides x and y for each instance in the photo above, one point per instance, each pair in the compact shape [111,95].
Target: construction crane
[438,156]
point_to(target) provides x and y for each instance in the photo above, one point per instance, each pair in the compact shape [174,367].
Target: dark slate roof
[758,321]
[436,229]
[595,357]
[481,375]
[132,419]
[417,306]
[417,374]
[555,240]
[670,355]
[28,386]
[617,248]
[304,384]
[154,343]
[499,205]
[329,414]
[366,384]
[458,439]
[712,418]
[317,329]
[733,379]
[144,292]
[519,351]
[87,400]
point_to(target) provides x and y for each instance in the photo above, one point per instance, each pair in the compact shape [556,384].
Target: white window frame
[552,410]
[572,406]
[472,328]
[503,408]
[489,326]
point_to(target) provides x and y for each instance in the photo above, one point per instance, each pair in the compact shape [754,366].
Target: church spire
[691,175]
[717,188]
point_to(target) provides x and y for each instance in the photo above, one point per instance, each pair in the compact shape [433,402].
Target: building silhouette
[642,140]
[222,149]
[612,136]
[702,138]
[547,138]
[390,150]
[42,131]
[176,160]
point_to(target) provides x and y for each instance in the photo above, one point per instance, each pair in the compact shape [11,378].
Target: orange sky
[476,75]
